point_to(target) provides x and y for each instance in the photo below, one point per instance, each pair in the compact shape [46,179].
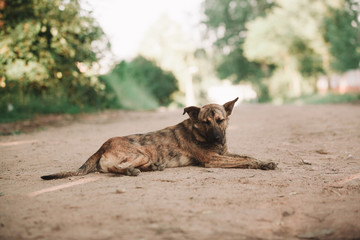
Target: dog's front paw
[157,167]
[268,165]
[131,171]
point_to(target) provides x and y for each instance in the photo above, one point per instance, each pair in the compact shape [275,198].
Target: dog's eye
[207,122]
[219,121]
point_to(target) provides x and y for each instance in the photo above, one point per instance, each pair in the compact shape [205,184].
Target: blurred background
[70,56]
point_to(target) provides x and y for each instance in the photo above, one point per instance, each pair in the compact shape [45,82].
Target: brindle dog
[199,140]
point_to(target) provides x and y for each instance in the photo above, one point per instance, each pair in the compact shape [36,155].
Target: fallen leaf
[321,151]
[316,234]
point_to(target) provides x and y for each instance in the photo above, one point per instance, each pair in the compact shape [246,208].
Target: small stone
[119,191]
[286,214]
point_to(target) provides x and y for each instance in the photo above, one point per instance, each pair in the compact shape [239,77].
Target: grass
[120,94]
[328,98]
[39,105]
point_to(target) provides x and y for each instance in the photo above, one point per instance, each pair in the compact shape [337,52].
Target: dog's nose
[218,138]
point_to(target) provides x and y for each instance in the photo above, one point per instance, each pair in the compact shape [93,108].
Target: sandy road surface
[315,193]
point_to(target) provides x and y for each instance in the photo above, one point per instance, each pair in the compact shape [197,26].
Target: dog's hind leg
[124,165]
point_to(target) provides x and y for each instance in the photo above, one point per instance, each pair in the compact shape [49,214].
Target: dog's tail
[89,166]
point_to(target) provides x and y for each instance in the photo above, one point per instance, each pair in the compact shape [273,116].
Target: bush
[140,84]
[43,46]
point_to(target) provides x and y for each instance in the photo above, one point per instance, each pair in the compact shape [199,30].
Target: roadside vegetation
[50,53]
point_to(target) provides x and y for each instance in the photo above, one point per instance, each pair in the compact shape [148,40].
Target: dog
[198,140]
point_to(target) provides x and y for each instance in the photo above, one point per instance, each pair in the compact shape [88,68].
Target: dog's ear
[193,112]
[229,106]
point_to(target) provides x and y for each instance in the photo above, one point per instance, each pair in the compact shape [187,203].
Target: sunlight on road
[15,143]
[62,186]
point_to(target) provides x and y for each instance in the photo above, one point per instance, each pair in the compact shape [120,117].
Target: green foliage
[292,42]
[226,20]
[286,44]
[17,105]
[141,84]
[161,84]
[309,62]
[342,32]
[43,47]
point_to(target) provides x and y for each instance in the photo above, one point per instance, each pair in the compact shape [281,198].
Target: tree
[289,37]
[166,43]
[286,44]
[226,23]
[342,32]
[46,48]
[304,42]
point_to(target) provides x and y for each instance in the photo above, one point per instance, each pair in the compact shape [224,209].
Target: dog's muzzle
[216,136]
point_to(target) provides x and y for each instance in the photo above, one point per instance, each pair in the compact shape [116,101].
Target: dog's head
[210,121]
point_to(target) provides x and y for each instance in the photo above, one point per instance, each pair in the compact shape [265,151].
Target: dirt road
[315,193]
